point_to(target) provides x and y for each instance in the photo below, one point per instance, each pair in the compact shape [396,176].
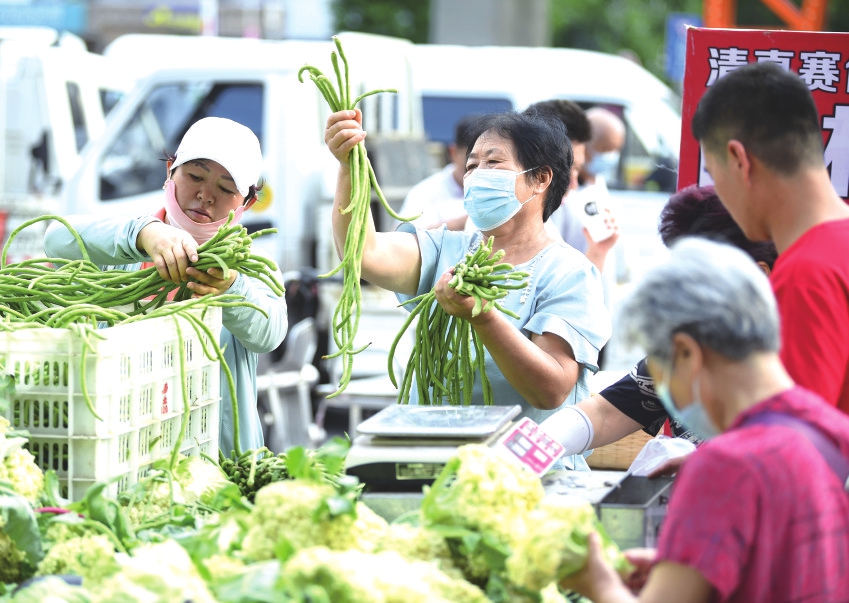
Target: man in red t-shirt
[761,140]
[758,513]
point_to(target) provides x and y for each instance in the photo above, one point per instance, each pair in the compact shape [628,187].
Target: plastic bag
[658,451]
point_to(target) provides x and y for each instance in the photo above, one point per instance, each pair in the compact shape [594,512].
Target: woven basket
[619,455]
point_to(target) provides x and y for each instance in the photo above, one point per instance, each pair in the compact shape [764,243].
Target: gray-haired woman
[758,513]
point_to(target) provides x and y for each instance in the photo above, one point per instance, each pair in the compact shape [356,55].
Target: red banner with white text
[821,59]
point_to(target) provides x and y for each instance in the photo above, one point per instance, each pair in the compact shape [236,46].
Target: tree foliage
[408,19]
[639,26]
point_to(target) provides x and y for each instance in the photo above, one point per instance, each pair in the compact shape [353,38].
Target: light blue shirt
[246,333]
[564,296]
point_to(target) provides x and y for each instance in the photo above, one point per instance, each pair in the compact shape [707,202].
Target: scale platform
[402,448]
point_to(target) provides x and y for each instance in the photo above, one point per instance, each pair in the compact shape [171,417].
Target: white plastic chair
[373,391]
[292,418]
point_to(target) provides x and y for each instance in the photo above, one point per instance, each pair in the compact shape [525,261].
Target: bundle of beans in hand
[448,353]
[57,292]
[346,317]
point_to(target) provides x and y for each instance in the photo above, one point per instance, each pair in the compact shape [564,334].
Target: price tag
[531,446]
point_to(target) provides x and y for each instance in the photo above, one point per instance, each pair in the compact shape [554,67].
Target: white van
[253,82]
[54,96]
[460,80]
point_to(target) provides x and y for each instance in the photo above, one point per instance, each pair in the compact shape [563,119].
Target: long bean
[37,289]
[448,353]
[346,318]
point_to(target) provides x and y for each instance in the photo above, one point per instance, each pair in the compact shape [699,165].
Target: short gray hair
[711,291]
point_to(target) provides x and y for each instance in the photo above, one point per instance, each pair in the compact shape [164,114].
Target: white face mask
[201,232]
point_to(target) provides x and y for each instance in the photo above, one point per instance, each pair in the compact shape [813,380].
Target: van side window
[76,104]
[133,164]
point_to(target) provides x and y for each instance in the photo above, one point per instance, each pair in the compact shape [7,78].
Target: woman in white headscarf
[215,170]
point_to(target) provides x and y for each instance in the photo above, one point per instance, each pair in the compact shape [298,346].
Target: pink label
[532,446]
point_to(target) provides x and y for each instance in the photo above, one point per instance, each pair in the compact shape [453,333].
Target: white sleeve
[572,428]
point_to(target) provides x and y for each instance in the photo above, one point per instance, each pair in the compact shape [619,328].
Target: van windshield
[133,164]
[441,113]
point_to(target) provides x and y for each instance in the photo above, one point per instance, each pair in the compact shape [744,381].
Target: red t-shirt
[760,514]
[811,284]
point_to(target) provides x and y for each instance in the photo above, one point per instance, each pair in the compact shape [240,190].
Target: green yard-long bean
[447,352]
[78,296]
[346,317]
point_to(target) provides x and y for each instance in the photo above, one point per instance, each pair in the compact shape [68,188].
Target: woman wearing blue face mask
[758,513]
[517,171]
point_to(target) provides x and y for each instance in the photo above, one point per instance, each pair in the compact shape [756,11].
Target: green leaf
[260,583]
[21,526]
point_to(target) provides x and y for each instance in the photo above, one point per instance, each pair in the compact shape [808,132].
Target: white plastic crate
[80,462]
[132,375]
[133,378]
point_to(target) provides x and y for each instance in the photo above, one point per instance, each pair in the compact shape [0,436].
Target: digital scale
[404,447]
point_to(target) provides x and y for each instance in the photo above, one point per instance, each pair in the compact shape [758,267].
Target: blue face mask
[694,417]
[605,165]
[489,196]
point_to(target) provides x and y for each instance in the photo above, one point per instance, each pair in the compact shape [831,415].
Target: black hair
[578,127]
[769,110]
[697,210]
[461,130]
[540,141]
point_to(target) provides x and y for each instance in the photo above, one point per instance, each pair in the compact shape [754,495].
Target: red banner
[820,58]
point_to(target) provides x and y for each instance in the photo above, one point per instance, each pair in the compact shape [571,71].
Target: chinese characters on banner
[820,58]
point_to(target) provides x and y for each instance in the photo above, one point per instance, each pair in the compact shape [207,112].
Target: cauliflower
[487,493]
[91,556]
[292,515]
[385,577]
[480,503]
[194,481]
[17,465]
[155,572]
[199,479]
[414,542]
[554,543]
[20,538]
[11,557]
[156,500]
[52,589]
[223,567]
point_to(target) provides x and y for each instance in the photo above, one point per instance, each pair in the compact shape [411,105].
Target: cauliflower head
[480,490]
[91,556]
[291,513]
[52,589]
[156,501]
[414,542]
[554,543]
[17,465]
[11,558]
[385,577]
[155,572]
[199,479]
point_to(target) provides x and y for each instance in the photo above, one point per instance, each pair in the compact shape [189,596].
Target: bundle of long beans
[448,353]
[58,292]
[79,296]
[346,317]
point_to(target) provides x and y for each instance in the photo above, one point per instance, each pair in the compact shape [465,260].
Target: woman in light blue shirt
[517,171]
[215,171]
